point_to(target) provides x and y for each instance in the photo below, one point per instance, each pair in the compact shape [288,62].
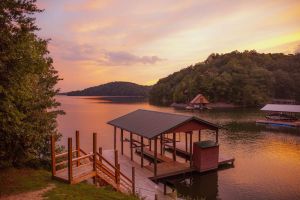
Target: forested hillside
[113,89]
[244,78]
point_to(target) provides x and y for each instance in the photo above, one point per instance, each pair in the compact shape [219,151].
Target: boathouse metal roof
[282,108]
[149,123]
[199,99]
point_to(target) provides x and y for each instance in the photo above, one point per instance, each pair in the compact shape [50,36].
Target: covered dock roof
[199,99]
[282,108]
[150,124]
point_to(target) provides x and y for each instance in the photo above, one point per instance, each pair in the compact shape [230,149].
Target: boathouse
[199,102]
[281,115]
[151,133]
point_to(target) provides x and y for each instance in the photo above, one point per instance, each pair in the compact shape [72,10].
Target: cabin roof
[149,123]
[282,108]
[199,99]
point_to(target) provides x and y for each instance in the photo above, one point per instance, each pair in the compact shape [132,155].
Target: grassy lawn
[14,181]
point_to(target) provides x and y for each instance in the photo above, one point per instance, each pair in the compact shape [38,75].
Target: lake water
[267,164]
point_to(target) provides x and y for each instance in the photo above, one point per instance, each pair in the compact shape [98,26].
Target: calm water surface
[267,160]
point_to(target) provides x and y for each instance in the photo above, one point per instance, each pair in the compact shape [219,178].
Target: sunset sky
[94,42]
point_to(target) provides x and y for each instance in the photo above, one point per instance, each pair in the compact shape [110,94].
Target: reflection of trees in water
[249,132]
[198,186]
[122,99]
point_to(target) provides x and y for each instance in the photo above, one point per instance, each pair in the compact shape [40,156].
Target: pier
[149,135]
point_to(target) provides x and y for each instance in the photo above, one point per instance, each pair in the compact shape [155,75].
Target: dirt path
[34,195]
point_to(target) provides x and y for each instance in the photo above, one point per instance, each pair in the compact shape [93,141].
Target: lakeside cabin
[281,115]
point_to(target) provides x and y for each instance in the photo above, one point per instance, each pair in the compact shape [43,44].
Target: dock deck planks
[144,186]
[82,170]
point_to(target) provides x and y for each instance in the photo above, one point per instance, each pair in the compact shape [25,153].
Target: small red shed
[206,155]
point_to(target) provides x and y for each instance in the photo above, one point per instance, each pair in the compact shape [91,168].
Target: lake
[267,160]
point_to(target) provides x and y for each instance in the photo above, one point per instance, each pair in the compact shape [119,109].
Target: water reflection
[198,186]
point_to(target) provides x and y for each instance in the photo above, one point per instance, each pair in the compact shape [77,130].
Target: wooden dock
[75,165]
[279,123]
[145,187]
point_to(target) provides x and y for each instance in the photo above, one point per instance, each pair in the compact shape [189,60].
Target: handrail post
[100,155]
[94,154]
[53,161]
[118,174]
[77,147]
[116,167]
[70,162]
[133,180]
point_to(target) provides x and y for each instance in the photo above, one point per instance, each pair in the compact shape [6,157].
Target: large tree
[28,109]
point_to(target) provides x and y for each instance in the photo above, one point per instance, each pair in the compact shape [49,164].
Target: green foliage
[27,87]
[15,181]
[85,191]
[113,89]
[244,78]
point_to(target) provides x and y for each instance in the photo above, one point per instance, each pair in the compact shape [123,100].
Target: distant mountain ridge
[118,88]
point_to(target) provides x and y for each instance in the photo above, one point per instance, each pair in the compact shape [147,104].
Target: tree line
[244,78]
[28,108]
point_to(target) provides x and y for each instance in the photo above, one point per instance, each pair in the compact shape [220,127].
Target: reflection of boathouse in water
[197,186]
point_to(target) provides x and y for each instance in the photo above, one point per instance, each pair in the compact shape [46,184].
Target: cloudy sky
[98,41]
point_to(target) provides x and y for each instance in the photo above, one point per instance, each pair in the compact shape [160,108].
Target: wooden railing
[102,167]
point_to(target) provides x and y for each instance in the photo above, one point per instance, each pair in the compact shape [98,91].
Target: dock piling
[70,162]
[77,147]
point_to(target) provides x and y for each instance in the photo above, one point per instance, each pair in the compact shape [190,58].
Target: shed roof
[199,99]
[149,124]
[282,108]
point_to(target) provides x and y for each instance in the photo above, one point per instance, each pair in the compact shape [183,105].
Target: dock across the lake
[279,123]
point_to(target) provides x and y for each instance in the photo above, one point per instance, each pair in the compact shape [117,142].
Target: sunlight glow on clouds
[98,41]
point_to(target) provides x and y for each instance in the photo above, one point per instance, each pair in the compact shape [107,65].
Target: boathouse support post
[94,154]
[77,147]
[217,136]
[174,146]
[142,151]
[133,180]
[161,144]
[186,144]
[122,140]
[150,144]
[131,147]
[115,138]
[53,163]
[191,148]
[199,135]
[155,156]
[70,162]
